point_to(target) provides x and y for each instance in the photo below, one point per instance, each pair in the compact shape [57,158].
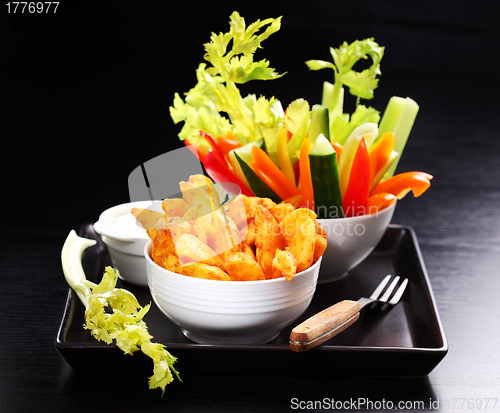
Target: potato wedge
[320,230]
[220,233]
[250,236]
[236,235]
[163,249]
[178,227]
[199,179]
[197,210]
[201,226]
[219,238]
[236,210]
[241,267]
[284,264]
[320,244]
[201,270]
[251,207]
[267,203]
[191,249]
[193,195]
[299,236]
[175,207]
[206,184]
[281,210]
[268,238]
[290,224]
[247,249]
[148,218]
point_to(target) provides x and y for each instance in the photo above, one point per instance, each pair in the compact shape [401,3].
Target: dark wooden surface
[86,100]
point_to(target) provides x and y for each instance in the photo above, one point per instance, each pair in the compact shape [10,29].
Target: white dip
[128,225]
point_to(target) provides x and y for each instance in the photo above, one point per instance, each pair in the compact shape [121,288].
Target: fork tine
[389,290]
[380,287]
[397,296]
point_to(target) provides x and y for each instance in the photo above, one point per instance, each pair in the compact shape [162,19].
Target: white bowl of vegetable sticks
[350,241]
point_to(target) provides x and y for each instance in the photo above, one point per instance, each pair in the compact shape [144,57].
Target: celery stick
[333,99]
[391,115]
[319,123]
[327,96]
[398,118]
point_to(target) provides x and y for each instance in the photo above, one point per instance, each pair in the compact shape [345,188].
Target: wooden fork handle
[324,325]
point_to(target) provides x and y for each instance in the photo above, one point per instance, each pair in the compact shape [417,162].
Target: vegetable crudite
[269,151]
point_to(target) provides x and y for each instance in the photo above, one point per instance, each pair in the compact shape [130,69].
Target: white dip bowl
[350,241]
[125,240]
[230,312]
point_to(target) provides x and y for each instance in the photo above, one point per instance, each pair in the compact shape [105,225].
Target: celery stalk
[123,323]
[398,118]
[327,96]
[320,123]
[333,98]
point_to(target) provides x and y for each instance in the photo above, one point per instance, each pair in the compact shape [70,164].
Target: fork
[336,318]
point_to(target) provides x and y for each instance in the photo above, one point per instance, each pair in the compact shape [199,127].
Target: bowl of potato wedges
[231,271]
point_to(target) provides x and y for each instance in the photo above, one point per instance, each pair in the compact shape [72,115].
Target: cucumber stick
[245,153]
[320,123]
[325,179]
[256,184]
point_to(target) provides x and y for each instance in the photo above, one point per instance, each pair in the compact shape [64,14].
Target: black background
[85,95]
[87,90]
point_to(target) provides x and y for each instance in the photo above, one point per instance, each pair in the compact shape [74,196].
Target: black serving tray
[406,340]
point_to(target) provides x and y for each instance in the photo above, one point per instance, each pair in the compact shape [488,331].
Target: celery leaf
[124,326]
[342,126]
[296,121]
[114,314]
[245,41]
[215,104]
[361,84]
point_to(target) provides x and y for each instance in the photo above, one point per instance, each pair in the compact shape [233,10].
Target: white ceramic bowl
[125,244]
[350,241]
[230,312]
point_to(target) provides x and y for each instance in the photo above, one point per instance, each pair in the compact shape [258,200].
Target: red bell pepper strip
[355,200]
[306,186]
[220,172]
[213,146]
[274,178]
[227,144]
[195,150]
[399,185]
[378,202]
